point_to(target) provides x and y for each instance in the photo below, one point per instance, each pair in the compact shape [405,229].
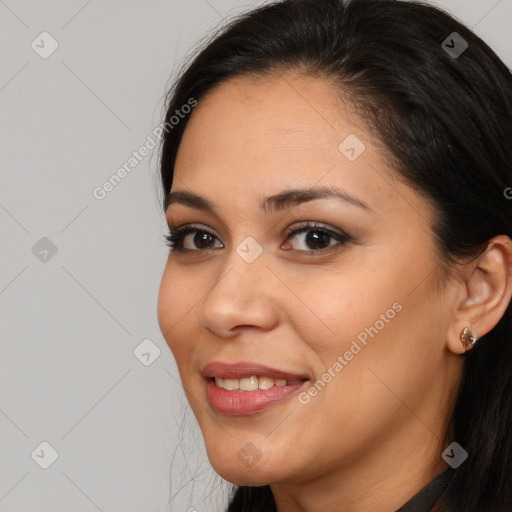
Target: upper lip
[247,369]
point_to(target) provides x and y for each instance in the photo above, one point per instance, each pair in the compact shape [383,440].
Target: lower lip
[239,403]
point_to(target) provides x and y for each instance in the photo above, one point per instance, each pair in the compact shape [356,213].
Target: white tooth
[252,383]
[265,382]
[249,383]
[231,384]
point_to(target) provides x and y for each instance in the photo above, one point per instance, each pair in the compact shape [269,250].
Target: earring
[467,339]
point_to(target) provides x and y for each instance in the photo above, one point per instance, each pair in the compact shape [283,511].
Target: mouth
[247,388]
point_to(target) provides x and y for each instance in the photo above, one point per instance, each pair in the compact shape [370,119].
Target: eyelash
[176,237]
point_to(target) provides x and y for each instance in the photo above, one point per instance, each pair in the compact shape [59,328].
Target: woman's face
[349,303]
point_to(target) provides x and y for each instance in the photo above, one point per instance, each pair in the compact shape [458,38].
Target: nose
[244,296]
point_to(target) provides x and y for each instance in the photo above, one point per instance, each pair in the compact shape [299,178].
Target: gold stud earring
[467,339]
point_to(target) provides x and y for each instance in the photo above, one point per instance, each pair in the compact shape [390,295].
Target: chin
[243,476]
[232,468]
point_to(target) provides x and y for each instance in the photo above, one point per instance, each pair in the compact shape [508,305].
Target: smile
[237,389]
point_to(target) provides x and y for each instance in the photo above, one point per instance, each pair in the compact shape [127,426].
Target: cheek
[343,308]
[375,325]
[380,325]
[176,299]
[368,327]
[166,305]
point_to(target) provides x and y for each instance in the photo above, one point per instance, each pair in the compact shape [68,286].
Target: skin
[373,436]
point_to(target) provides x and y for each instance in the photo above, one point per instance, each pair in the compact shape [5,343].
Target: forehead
[277,125]
[252,137]
[280,111]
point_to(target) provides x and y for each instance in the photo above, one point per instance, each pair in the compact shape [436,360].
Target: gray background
[71,321]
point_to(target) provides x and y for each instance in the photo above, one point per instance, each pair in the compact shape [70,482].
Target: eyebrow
[274,203]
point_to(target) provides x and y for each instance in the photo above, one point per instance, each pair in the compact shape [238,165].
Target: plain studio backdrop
[92,413]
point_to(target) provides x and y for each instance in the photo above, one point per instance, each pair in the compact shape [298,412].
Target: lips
[248,369]
[235,389]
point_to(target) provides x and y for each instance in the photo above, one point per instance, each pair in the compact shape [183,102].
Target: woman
[337,293]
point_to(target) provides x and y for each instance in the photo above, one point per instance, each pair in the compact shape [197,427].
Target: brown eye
[317,238]
[190,239]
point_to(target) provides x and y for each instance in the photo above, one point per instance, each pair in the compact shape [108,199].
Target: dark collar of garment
[428,498]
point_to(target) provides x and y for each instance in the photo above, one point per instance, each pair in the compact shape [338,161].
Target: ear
[486,292]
